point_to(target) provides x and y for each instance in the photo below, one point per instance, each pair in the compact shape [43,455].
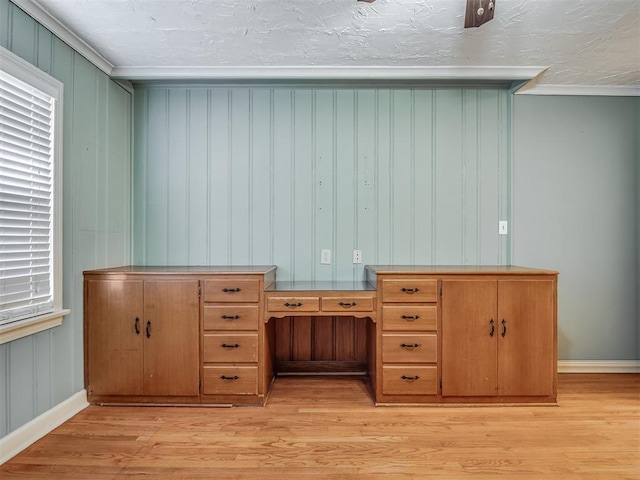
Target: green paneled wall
[273,175]
[40,371]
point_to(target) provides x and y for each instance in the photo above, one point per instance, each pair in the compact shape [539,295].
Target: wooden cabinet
[408,341]
[498,337]
[210,335]
[176,335]
[142,337]
[231,339]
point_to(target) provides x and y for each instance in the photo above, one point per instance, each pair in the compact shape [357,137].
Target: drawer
[230,380]
[409,348]
[409,380]
[231,317]
[293,304]
[240,290]
[409,290]
[230,348]
[410,317]
[347,304]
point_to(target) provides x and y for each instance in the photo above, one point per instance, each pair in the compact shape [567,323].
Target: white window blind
[26,200]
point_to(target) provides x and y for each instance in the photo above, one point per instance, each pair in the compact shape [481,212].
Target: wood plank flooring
[324,428]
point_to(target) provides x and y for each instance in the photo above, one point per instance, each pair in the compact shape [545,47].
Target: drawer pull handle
[493,328]
[409,290]
[415,377]
[504,327]
[287,304]
[410,317]
[148,329]
[235,377]
[230,290]
[347,304]
[230,317]
[224,345]
[136,326]
[409,345]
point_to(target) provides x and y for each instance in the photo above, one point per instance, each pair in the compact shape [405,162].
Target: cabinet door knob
[230,290]
[287,304]
[225,345]
[409,345]
[493,328]
[224,377]
[504,327]
[230,317]
[409,290]
[410,317]
[148,329]
[414,377]
[347,304]
[136,326]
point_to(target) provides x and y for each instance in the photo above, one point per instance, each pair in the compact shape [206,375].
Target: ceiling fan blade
[478,12]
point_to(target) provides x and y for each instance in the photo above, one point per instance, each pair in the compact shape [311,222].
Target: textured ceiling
[584,42]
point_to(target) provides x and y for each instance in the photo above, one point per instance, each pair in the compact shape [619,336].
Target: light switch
[325,257]
[502,227]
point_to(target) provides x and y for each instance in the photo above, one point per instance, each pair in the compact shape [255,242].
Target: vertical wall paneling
[402,208]
[282,212]
[141,154]
[198,175]
[346,186]
[178,165]
[324,183]
[39,371]
[365,188]
[220,179]
[260,223]
[406,176]
[422,181]
[383,225]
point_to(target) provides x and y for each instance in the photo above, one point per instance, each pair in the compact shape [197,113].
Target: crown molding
[582,90]
[331,73]
[33,9]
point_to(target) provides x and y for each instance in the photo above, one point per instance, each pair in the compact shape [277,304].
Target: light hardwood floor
[327,428]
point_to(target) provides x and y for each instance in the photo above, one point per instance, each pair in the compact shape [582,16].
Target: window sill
[30,326]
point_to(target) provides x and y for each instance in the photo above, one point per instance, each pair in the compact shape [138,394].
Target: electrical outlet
[357,256]
[502,227]
[325,257]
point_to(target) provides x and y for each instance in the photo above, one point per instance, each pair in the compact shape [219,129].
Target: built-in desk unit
[221,335]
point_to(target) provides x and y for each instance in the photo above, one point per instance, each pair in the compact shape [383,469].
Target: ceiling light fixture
[478,12]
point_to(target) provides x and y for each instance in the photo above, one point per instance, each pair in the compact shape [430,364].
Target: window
[30,213]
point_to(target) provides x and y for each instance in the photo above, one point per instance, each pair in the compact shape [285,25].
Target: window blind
[26,200]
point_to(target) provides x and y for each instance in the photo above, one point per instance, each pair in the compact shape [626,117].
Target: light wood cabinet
[220,335]
[408,339]
[176,335]
[142,337]
[114,321]
[498,337]
[231,340]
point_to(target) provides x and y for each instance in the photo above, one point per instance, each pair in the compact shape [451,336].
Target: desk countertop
[319,286]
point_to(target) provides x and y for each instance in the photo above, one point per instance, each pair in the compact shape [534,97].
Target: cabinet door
[469,347]
[171,340]
[526,351]
[114,337]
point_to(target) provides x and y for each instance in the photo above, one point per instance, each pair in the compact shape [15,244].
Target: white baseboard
[37,428]
[598,366]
